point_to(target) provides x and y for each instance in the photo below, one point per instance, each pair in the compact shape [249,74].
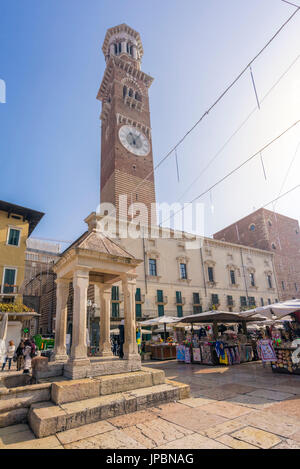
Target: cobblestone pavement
[243,406]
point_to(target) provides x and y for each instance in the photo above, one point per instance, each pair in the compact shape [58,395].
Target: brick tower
[126,147]
[264,229]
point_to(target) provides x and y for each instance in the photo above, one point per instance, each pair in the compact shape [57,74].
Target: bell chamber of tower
[126,143]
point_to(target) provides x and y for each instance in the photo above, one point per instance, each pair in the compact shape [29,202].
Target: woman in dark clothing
[20,357]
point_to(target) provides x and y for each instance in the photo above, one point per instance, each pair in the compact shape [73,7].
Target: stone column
[79,348]
[123,46]
[62,293]
[105,307]
[112,49]
[130,345]
[134,52]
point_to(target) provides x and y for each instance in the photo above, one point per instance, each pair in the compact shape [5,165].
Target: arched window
[116,48]
[119,47]
[128,48]
[130,93]
[131,51]
[124,91]
[137,96]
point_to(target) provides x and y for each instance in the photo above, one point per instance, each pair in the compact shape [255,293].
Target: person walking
[20,356]
[9,354]
[27,356]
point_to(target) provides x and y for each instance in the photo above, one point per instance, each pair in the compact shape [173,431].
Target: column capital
[62,280]
[81,273]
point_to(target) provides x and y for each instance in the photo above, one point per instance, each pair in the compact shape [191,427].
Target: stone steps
[46,418]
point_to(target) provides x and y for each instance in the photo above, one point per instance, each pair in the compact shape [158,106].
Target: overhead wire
[228,88]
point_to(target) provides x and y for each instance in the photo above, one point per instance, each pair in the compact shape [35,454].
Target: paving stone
[234,443]
[194,441]
[254,402]
[129,420]
[196,401]
[227,427]
[290,407]
[13,429]
[275,395]
[267,420]
[84,431]
[226,409]
[50,442]
[237,388]
[288,444]
[14,438]
[156,432]
[191,418]
[256,437]
[115,439]
[217,393]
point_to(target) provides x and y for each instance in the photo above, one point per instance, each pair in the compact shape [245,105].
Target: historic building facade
[275,233]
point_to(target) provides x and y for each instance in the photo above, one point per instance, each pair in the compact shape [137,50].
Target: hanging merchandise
[253,82]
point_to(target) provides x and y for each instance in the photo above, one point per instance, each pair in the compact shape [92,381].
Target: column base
[60,357]
[107,354]
[77,368]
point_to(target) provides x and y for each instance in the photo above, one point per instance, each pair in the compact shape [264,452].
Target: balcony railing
[7,289]
[163,300]
[180,301]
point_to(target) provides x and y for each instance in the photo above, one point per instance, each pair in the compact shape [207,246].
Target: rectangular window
[183,271]
[252,280]
[269,301]
[13,237]
[196,298]
[179,311]
[115,310]
[115,293]
[178,297]
[251,301]
[232,277]
[197,309]
[138,310]
[215,299]
[211,274]
[161,310]
[243,301]
[229,300]
[262,302]
[160,296]
[270,281]
[9,280]
[282,284]
[152,267]
[138,294]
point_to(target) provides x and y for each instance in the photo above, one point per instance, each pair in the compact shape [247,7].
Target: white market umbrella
[279,310]
[160,320]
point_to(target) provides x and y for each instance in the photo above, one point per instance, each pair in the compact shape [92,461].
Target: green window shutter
[115,310]
[179,311]
[138,310]
[14,236]
[138,294]
[178,297]
[161,310]
[160,296]
[9,280]
[115,293]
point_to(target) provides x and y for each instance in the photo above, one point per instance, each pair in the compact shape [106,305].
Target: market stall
[216,345]
[161,348]
[281,346]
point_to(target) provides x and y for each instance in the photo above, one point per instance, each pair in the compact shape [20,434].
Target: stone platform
[55,404]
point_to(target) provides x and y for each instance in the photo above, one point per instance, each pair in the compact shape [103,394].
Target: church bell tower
[126,146]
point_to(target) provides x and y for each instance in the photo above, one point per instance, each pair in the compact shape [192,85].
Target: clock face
[134,140]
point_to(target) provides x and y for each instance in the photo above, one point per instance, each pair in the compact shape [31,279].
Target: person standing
[9,355]
[20,356]
[27,356]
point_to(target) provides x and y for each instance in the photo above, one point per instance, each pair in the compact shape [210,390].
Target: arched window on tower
[131,51]
[124,91]
[138,96]
[128,47]
[116,48]
[130,93]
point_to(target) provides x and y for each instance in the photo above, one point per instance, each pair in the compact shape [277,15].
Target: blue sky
[52,63]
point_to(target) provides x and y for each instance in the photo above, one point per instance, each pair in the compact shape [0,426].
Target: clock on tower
[126,148]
